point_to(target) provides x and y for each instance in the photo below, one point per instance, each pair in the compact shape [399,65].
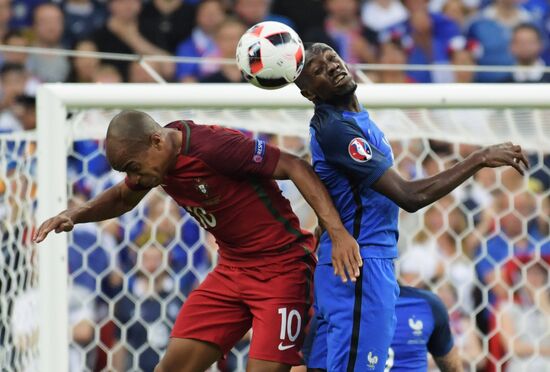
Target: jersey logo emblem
[359,150]
[373,360]
[282,347]
[416,326]
[201,187]
[259,151]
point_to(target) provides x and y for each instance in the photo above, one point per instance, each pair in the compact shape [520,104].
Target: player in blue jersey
[422,327]
[354,160]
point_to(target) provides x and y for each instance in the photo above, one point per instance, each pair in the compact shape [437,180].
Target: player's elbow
[290,167]
[412,202]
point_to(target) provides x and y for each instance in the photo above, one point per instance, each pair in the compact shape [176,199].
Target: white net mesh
[18,266]
[476,248]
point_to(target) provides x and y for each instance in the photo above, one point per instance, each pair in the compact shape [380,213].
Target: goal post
[286,112]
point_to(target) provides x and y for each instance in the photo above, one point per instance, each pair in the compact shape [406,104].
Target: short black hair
[528,26]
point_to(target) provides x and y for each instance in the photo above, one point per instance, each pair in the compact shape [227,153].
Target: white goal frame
[55,100]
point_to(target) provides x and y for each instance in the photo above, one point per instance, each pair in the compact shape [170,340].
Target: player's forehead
[319,55]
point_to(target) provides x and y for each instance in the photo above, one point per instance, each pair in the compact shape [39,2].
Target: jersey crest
[359,150]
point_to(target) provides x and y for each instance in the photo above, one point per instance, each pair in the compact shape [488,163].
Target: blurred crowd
[484,249]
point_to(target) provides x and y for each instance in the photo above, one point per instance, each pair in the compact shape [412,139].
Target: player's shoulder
[430,298]
[329,123]
[200,139]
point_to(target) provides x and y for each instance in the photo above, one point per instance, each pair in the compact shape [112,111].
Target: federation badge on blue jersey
[359,150]
[259,151]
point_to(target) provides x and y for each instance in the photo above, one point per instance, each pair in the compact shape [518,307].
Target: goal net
[105,296]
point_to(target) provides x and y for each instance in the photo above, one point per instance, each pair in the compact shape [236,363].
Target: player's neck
[348,102]
[175,141]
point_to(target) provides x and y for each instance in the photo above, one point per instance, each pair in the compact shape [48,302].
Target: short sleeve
[441,340]
[345,147]
[233,154]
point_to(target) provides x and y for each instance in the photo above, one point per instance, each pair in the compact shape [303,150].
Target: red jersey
[223,179]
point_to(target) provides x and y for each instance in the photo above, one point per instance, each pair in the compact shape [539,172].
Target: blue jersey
[422,327]
[349,154]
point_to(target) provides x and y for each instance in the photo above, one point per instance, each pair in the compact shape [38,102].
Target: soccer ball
[270,55]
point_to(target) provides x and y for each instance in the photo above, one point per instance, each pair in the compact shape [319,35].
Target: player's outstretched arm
[345,250]
[414,195]
[111,203]
[449,362]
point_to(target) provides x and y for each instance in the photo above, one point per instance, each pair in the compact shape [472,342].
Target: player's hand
[504,154]
[346,258]
[59,223]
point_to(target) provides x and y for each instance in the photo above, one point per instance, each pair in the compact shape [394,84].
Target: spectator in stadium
[226,38]
[379,15]
[82,18]
[422,257]
[5,16]
[15,38]
[24,110]
[523,319]
[305,14]
[122,34]
[138,74]
[431,35]
[461,54]
[457,11]
[13,79]
[48,33]
[107,74]
[151,290]
[465,337]
[342,29]
[251,12]
[526,47]
[166,23]
[84,69]
[510,241]
[210,14]
[492,28]
[22,13]
[392,52]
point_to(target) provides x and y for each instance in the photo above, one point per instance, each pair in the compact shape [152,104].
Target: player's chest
[195,185]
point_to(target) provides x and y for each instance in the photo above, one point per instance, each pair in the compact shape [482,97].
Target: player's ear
[156,140]
[306,93]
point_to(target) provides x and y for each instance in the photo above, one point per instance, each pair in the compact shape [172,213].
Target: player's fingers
[523,158]
[339,270]
[350,269]
[353,266]
[357,256]
[43,231]
[516,166]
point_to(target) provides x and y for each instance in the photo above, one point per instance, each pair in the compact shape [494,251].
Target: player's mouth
[340,77]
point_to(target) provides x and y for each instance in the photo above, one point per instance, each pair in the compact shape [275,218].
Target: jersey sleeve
[233,154]
[441,340]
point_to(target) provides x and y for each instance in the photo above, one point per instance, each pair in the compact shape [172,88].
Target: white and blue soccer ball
[270,55]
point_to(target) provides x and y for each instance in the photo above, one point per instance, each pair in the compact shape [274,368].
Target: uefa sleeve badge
[359,150]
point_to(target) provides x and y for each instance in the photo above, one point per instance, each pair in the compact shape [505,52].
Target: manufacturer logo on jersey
[359,150]
[417,326]
[373,360]
[259,151]
[282,347]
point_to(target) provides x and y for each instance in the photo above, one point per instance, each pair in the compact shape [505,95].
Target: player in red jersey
[226,181]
